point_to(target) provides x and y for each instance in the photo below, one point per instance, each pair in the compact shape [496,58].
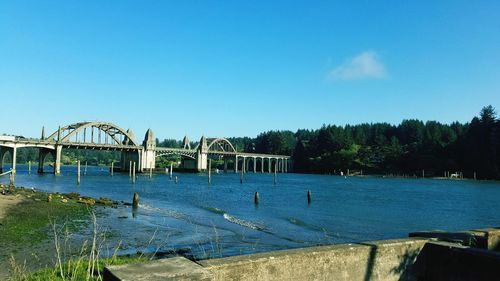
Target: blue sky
[238,68]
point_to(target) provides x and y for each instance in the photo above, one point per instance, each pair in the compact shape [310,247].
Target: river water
[221,219]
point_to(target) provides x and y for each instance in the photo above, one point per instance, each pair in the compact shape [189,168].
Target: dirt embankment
[8,201]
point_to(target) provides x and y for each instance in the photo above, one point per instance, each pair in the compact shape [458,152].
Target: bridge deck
[76,145]
[98,146]
[229,153]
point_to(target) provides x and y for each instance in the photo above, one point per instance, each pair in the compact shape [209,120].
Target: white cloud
[366,65]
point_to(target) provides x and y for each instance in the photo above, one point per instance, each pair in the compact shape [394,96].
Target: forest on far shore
[409,148]
[381,148]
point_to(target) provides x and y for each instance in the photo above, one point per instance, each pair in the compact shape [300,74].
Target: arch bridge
[108,136]
[223,149]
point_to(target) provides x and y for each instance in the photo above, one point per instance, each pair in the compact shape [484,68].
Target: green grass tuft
[76,269]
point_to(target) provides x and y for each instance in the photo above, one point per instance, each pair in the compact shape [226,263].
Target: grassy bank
[28,223]
[78,268]
[37,237]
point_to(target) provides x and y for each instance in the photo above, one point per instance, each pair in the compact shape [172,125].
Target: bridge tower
[185,143]
[149,152]
[202,155]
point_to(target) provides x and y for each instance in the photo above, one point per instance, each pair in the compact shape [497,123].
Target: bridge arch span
[221,144]
[176,153]
[117,134]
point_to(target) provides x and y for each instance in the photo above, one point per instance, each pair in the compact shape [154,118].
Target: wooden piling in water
[130,169]
[11,178]
[256,198]
[133,173]
[209,171]
[78,172]
[135,200]
[275,174]
[241,173]
[308,197]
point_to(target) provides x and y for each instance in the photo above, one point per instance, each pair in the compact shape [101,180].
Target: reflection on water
[222,218]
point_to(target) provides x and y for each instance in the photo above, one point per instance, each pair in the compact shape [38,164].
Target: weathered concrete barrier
[381,260]
[485,238]
[409,259]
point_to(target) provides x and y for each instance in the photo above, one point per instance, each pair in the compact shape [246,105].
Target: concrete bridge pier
[202,155]
[245,165]
[42,154]
[128,157]
[13,154]
[225,165]
[2,156]
[57,160]
[236,164]
[148,155]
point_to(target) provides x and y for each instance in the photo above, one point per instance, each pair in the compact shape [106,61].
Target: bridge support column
[14,156]
[286,165]
[225,164]
[236,164]
[255,164]
[42,154]
[262,164]
[269,166]
[201,161]
[127,158]
[57,160]
[202,155]
[3,150]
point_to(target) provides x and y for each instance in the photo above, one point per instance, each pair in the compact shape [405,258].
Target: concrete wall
[404,259]
[382,260]
[484,238]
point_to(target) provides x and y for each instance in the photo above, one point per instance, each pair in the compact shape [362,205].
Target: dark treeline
[377,148]
[382,148]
